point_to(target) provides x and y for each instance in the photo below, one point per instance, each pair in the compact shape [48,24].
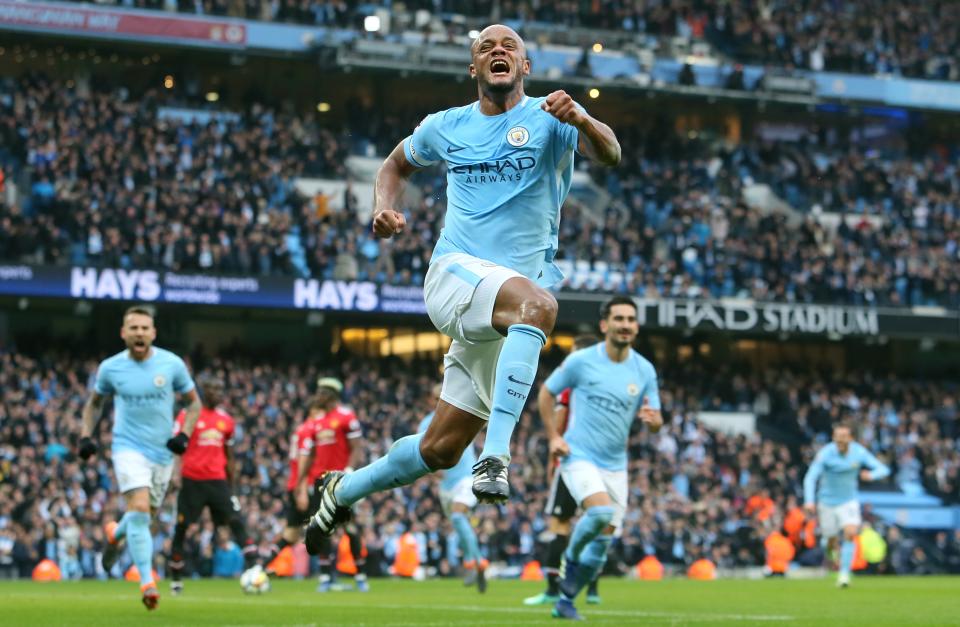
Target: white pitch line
[688,617]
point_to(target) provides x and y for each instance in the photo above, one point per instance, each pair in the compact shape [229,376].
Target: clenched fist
[560,105]
[388,223]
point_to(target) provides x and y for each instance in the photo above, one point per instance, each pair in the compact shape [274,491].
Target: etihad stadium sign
[762,317]
[749,317]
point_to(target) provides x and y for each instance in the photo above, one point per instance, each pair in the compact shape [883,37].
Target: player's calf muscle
[441,453]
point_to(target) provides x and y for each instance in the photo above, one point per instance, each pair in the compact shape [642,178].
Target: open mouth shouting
[500,67]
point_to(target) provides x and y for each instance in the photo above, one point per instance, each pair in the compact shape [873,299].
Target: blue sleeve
[182,383]
[878,470]
[422,146]
[812,476]
[652,389]
[102,384]
[565,376]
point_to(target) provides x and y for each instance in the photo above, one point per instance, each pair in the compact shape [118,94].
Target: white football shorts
[462,493]
[584,478]
[135,471]
[460,292]
[833,518]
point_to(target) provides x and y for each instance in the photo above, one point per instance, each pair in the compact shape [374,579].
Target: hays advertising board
[152,286]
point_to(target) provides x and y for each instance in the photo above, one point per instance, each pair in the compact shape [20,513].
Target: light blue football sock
[467,536]
[121,530]
[140,543]
[516,369]
[847,550]
[593,558]
[590,525]
[402,465]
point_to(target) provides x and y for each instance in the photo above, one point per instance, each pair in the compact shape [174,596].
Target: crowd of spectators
[115,183]
[859,36]
[694,492]
[693,234]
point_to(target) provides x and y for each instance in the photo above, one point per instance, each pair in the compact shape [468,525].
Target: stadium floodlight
[598,47]
[594,93]
[212,96]
[323,107]
[168,81]
[371,23]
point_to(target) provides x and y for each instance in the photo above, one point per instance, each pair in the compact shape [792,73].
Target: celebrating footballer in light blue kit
[605,397]
[611,385]
[507,176]
[457,499]
[144,395]
[830,489]
[509,161]
[144,382]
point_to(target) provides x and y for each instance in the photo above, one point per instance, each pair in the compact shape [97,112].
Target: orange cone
[532,572]
[46,570]
[134,575]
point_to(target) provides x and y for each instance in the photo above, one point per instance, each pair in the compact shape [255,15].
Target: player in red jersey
[208,478]
[299,503]
[331,445]
[561,507]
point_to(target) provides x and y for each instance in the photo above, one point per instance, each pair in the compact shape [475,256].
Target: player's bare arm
[91,411]
[178,443]
[597,140]
[651,417]
[304,460]
[546,403]
[192,413]
[356,452]
[392,179]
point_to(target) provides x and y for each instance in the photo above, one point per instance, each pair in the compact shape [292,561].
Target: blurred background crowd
[694,492]
[115,183]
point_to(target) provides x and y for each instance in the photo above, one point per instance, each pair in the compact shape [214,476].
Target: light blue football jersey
[605,397]
[463,468]
[144,395]
[507,177]
[838,475]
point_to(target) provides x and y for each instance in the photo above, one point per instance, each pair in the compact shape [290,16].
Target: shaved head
[498,31]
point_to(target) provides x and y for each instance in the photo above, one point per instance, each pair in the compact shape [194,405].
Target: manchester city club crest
[518,136]
[633,389]
[159,381]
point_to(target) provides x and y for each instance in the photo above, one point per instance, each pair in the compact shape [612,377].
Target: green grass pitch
[871,601]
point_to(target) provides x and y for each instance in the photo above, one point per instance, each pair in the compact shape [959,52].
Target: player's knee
[558,526]
[539,309]
[139,505]
[601,515]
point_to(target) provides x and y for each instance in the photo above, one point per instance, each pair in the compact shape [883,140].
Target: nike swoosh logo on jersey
[451,149]
[512,380]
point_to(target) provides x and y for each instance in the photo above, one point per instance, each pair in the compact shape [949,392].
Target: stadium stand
[220,197]
[862,37]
